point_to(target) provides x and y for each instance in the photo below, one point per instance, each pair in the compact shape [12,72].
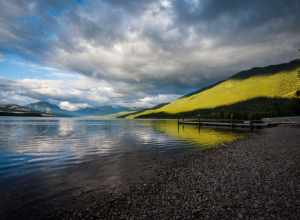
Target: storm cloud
[146,52]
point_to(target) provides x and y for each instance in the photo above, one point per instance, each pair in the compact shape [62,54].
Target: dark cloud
[230,18]
[26,27]
[243,14]
[132,6]
[152,47]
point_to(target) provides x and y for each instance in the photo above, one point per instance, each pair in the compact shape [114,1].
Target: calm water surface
[45,158]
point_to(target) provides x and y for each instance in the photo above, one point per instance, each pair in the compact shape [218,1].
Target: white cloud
[140,53]
[72,106]
[150,101]
[154,47]
[80,93]
[92,91]
[11,97]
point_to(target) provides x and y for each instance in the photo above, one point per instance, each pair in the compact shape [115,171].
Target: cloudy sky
[136,53]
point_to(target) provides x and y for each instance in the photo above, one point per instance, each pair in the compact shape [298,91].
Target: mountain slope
[17,110]
[55,110]
[103,110]
[47,107]
[276,81]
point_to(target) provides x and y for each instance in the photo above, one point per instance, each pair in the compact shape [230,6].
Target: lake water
[42,159]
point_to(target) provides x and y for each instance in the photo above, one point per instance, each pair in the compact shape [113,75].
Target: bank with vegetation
[270,91]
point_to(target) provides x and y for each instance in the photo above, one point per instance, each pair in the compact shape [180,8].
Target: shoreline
[253,178]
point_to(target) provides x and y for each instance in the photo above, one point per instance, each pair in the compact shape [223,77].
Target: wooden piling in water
[224,123]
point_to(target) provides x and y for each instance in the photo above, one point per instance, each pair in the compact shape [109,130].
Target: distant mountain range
[258,92]
[54,109]
[47,109]
[17,110]
[100,111]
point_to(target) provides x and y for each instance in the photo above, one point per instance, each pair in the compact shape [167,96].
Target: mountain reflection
[28,145]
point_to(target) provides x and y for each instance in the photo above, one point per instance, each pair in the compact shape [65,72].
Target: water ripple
[29,145]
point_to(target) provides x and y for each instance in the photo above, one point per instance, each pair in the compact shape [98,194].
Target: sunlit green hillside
[280,81]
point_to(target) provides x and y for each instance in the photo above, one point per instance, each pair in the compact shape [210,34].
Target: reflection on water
[44,158]
[66,127]
[205,137]
[30,144]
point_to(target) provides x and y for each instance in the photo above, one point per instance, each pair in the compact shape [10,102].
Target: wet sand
[254,178]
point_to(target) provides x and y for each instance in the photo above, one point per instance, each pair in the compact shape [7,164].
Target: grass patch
[281,83]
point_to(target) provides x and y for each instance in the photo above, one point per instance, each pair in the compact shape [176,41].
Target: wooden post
[251,125]
[231,118]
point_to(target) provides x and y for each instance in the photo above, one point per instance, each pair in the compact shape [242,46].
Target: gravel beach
[254,178]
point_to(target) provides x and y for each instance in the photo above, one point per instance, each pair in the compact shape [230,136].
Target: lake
[49,159]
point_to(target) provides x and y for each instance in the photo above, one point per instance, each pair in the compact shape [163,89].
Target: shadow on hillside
[250,109]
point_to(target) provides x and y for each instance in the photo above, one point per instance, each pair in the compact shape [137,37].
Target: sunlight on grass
[280,85]
[206,138]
